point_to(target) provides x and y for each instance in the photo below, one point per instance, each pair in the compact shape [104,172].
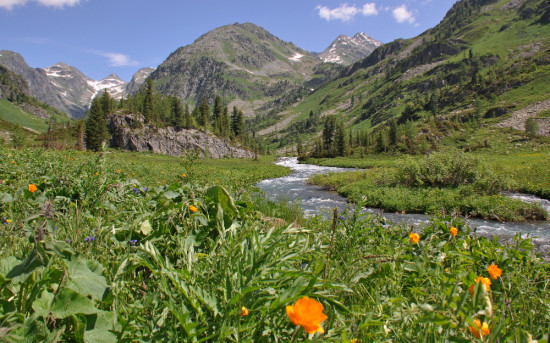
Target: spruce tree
[188,119]
[177,113]
[149,110]
[96,126]
[204,116]
[217,115]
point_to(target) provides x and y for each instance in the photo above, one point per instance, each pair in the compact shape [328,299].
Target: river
[316,200]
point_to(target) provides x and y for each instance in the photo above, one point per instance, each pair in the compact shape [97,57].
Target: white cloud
[402,14]
[9,4]
[346,12]
[369,9]
[118,60]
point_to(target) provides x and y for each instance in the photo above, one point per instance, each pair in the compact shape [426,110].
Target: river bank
[316,199]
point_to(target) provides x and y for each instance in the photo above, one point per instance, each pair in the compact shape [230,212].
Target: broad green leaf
[146,228]
[22,271]
[42,305]
[5,198]
[99,328]
[171,194]
[69,303]
[86,277]
[220,196]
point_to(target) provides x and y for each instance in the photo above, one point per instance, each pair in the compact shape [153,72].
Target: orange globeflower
[485,281]
[244,311]
[454,231]
[414,237]
[307,313]
[475,329]
[32,188]
[494,271]
[193,208]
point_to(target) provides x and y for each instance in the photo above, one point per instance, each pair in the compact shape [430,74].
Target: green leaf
[22,271]
[220,196]
[42,305]
[5,198]
[146,228]
[171,194]
[69,303]
[86,277]
[99,328]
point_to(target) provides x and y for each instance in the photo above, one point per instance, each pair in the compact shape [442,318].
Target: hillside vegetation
[485,60]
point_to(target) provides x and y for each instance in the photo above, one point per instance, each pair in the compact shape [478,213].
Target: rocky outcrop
[518,118]
[129,132]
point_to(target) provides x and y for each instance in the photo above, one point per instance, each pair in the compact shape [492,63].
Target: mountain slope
[486,59]
[67,88]
[347,50]
[239,61]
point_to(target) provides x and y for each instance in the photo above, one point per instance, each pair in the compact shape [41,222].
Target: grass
[90,257]
[385,184]
[12,114]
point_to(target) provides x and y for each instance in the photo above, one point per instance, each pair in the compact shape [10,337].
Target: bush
[440,169]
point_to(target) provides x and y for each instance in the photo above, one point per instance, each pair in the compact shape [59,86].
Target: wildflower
[414,237]
[184,175]
[307,313]
[217,181]
[8,221]
[475,329]
[118,171]
[485,281]
[494,271]
[89,239]
[96,174]
[193,208]
[454,231]
[446,270]
[32,188]
[133,173]
[136,190]
[145,189]
[244,311]
[133,242]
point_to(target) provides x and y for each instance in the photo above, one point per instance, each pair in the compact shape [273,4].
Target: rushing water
[316,200]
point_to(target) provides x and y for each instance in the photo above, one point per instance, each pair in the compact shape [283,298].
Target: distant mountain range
[241,62]
[67,88]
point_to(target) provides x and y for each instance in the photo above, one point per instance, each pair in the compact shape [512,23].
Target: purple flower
[133,242]
[68,240]
[89,239]
[145,189]
[136,191]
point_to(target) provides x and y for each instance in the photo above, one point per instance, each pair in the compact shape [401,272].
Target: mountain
[486,62]
[241,62]
[38,81]
[65,87]
[19,109]
[138,79]
[347,50]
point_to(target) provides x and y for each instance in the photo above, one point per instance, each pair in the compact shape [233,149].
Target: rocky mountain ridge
[65,87]
[346,50]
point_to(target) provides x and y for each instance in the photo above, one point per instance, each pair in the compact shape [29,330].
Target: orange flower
[193,208]
[244,311]
[184,175]
[475,329]
[494,271]
[32,188]
[454,231]
[414,237]
[485,281]
[307,313]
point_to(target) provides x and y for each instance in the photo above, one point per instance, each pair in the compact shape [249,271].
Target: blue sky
[100,37]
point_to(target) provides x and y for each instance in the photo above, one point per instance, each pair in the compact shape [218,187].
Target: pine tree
[226,122]
[149,110]
[177,114]
[341,145]
[217,115]
[328,133]
[393,132]
[188,119]
[237,122]
[204,114]
[96,126]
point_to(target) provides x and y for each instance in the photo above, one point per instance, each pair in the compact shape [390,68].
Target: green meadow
[125,247]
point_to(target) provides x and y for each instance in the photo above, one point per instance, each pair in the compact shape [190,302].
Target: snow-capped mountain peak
[347,50]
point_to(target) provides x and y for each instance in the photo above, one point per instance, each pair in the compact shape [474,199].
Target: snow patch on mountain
[296,57]
[347,50]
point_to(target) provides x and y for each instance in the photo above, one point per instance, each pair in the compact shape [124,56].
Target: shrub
[440,169]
